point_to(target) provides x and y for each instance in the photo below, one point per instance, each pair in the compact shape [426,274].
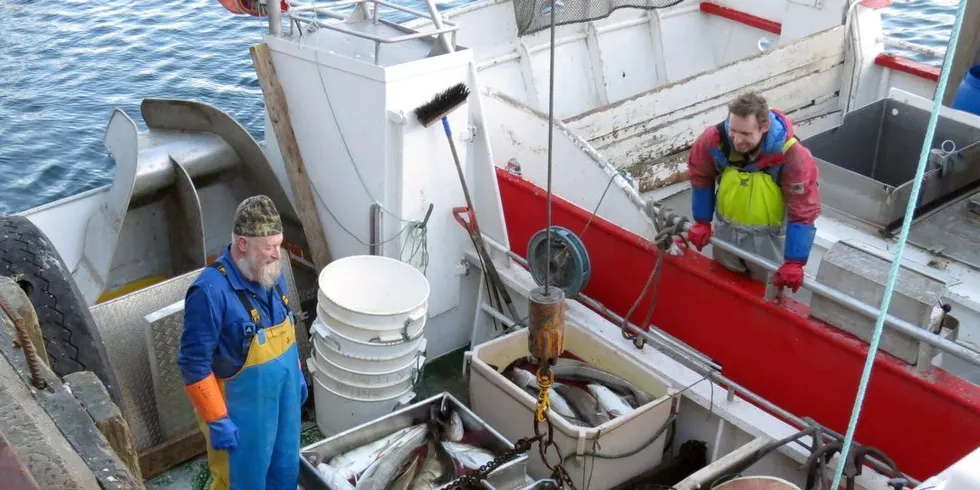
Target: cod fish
[355,461]
[609,401]
[432,471]
[384,470]
[404,480]
[580,371]
[527,381]
[452,426]
[335,479]
[583,403]
[471,457]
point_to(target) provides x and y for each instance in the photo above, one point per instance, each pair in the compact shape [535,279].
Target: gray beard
[266,275]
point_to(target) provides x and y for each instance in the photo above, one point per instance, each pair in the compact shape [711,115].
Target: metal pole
[845,300]
[275,17]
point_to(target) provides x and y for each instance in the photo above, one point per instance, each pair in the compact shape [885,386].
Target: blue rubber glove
[224,434]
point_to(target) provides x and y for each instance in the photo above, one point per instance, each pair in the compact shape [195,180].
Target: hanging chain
[472,479]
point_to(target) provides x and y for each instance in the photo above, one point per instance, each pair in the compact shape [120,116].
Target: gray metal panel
[867,163]
[953,233]
[185,223]
[855,271]
[162,330]
[120,321]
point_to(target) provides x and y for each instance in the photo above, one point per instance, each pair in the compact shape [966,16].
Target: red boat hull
[809,368]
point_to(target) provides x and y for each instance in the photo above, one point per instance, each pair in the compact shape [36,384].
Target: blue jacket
[217,328]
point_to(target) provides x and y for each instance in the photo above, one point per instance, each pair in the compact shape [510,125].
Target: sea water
[66,64]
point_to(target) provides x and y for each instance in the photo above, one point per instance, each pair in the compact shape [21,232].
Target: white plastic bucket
[327,349]
[412,327]
[347,375]
[336,413]
[362,391]
[324,333]
[373,292]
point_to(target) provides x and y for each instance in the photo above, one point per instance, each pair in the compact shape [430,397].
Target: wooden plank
[612,120]
[967,51]
[162,457]
[275,103]
[678,135]
[91,393]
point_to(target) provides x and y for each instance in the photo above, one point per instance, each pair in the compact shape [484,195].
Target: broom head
[442,104]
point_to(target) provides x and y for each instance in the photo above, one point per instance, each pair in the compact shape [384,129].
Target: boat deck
[441,375]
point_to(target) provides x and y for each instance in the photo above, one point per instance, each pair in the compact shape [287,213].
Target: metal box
[509,476]
[867,163]
[861,272]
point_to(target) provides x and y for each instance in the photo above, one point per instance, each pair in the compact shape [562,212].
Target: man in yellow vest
[752,176]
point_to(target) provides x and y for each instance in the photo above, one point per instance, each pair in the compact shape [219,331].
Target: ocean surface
[66,64]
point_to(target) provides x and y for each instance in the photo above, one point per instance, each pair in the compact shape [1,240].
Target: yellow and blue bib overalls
[263,400]
[750,210]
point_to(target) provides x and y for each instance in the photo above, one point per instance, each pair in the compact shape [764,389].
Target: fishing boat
[758,383]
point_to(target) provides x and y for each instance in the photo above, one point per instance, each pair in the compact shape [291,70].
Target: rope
[903,236]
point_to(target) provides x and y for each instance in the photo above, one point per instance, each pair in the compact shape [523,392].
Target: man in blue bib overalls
[239,359]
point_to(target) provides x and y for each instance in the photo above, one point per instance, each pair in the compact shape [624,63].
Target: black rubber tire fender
[71,336]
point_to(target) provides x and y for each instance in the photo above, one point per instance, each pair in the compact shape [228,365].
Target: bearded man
[239,360]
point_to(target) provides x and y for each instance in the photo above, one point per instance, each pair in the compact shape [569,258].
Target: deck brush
[441,105]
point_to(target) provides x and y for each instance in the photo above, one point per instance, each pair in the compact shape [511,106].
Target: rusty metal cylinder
[546,325]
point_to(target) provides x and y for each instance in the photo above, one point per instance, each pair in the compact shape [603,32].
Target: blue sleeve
[199,339]
[703,203]
[799,241]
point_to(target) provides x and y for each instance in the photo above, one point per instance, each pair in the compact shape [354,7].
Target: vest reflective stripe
[751,198]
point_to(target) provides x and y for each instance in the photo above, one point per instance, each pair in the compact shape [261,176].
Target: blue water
[66,64]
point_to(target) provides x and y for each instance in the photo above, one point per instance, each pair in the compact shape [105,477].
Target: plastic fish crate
[509,476]
[511,410]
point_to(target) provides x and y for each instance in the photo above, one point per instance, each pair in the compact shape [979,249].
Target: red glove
[790,275]
[699,234]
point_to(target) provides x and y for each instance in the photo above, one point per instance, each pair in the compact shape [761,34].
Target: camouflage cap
[257,216]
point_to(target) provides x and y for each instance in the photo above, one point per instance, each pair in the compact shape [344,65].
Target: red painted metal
[924,422]
[906,65]
[742,17]
[876,4]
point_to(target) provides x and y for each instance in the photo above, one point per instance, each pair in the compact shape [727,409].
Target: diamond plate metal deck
[162,329]
[121,323]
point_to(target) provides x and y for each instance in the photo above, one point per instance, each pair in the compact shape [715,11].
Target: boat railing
[310,14]
[690,358]
[845,300]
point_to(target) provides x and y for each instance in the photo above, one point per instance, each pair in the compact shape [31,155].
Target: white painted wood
[601,124]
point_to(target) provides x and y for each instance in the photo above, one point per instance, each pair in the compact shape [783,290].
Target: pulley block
[569,262]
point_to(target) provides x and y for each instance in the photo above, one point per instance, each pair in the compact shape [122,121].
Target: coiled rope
[903,236]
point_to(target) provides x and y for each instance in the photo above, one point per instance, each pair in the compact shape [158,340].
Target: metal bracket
[469,134]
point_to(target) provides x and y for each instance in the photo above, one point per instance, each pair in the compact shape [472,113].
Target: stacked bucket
[368,339]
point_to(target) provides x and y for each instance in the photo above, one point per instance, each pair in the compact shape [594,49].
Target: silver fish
[609,401]
[354,462]
[580,371]
[404,480]
[384,470]
[335,479]
[453,428]
[431,472]
[471,457]
[583,403]
[524,379]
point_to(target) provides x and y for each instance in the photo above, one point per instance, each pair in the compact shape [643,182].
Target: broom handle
[459,167]
[437,20]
